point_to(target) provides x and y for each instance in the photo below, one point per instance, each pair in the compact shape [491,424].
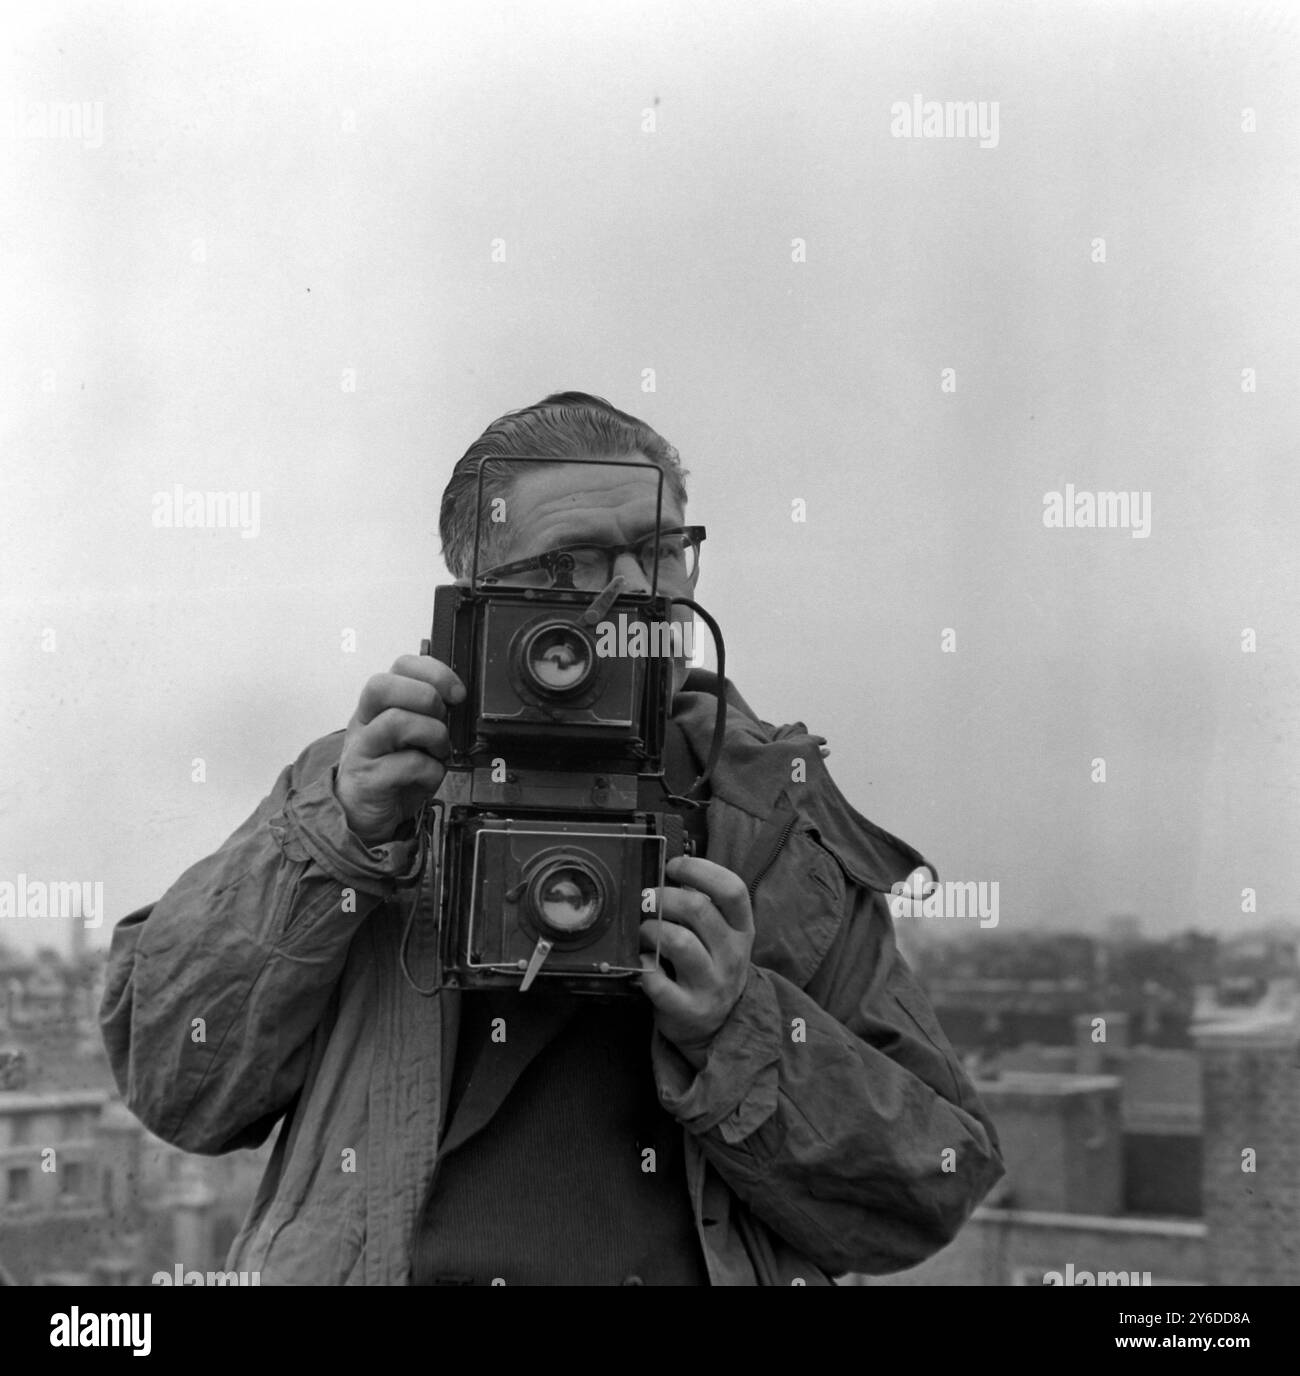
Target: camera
[554,821]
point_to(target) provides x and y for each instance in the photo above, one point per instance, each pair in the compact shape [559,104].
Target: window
[72,1179]
[20,1185]
[20,1129]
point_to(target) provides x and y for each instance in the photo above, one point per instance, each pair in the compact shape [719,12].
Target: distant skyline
[910,934]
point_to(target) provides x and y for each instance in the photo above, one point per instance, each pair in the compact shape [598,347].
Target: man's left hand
[706,930]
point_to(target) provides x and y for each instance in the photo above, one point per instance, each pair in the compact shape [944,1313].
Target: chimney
[1205,1003]
[192,1218]
[1062,1140]
[76,930]
[1251,1172]
[15,1003]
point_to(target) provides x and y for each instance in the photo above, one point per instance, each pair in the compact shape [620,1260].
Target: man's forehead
[597,483]
[589,499]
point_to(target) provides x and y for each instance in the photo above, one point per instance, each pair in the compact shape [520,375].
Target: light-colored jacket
[831,1130]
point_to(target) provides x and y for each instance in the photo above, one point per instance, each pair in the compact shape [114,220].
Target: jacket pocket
[907,994]
[798,908]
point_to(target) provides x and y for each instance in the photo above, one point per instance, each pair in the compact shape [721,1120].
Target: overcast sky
[279,194]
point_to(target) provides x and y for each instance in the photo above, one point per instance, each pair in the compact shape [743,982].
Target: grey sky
[284,192]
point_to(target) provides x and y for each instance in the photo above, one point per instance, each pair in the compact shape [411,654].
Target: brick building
[1252,1146]
[89,1196]
[1228,1112]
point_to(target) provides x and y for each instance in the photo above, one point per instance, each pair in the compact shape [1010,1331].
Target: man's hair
[567,426]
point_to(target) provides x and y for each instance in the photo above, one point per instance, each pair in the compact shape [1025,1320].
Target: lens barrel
[557,659]
[567,895]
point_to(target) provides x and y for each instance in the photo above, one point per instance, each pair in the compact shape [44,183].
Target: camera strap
[680,771]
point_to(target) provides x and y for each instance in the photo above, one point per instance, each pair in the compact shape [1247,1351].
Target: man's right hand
[395,746]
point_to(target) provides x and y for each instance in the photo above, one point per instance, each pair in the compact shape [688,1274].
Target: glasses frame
[563,579]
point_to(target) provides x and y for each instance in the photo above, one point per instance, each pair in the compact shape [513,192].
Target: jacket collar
[755,768]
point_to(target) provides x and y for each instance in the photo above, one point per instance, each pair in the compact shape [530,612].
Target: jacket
[832,1128]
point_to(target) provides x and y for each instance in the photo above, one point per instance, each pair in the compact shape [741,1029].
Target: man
[781,1107]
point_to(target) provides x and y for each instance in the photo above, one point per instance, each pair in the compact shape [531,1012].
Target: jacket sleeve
[213,994]
[839,1112]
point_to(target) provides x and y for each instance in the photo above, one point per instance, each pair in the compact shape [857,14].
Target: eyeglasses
[671,557]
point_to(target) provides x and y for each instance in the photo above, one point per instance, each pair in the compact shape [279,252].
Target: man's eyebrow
[650,527]
[642,531]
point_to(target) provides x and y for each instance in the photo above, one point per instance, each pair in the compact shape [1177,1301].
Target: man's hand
[706,930]
[395,746]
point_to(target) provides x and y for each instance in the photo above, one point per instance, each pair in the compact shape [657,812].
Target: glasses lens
[675,555]
[577,566]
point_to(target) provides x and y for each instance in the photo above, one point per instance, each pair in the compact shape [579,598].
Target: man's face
[586,503]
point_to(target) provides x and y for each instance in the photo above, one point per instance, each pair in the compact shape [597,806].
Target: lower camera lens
[566,896]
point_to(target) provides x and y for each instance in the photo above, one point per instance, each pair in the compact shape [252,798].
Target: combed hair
[566,426]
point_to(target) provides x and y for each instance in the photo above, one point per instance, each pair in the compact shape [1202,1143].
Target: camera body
[554,822]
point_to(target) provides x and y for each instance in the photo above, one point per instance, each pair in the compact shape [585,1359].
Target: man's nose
[628,565]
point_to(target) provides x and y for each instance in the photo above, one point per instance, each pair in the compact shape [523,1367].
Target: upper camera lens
[558,659]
